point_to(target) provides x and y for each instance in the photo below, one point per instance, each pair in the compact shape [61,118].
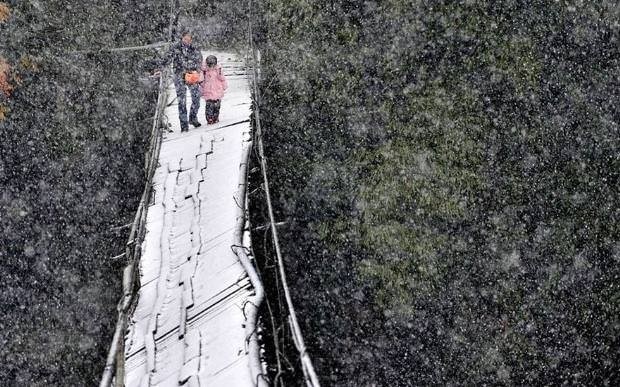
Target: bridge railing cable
[309,372]
[114,370]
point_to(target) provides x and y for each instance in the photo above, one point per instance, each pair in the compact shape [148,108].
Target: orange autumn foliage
[5,86]
[5,12]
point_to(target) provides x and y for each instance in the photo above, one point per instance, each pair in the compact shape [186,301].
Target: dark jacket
[184,58]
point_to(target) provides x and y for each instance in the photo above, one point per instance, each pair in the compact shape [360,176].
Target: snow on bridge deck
[188,325]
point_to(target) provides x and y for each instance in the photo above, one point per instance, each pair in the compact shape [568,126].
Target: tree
[448,176]
[74,131]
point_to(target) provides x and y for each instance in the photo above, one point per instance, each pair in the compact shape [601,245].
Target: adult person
[186,64]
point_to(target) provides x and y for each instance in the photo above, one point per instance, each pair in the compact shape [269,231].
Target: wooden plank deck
[188,326]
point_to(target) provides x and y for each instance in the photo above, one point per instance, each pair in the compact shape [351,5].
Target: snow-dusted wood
[189,325]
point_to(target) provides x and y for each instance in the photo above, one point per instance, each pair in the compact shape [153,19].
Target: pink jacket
[214,82]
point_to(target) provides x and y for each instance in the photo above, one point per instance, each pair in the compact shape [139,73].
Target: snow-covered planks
[188,325]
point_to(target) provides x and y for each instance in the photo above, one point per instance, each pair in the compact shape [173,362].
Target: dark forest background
[446,171]
[74,126]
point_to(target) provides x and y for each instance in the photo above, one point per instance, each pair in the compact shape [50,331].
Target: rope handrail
[307,366]
[241,251]
[123,49]
[115,362]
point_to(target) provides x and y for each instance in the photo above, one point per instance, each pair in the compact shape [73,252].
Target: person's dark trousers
[212,110]
[194,90]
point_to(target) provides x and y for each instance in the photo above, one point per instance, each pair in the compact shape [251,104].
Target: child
[213,88]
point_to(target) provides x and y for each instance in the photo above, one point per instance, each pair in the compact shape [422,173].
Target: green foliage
[449,174]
